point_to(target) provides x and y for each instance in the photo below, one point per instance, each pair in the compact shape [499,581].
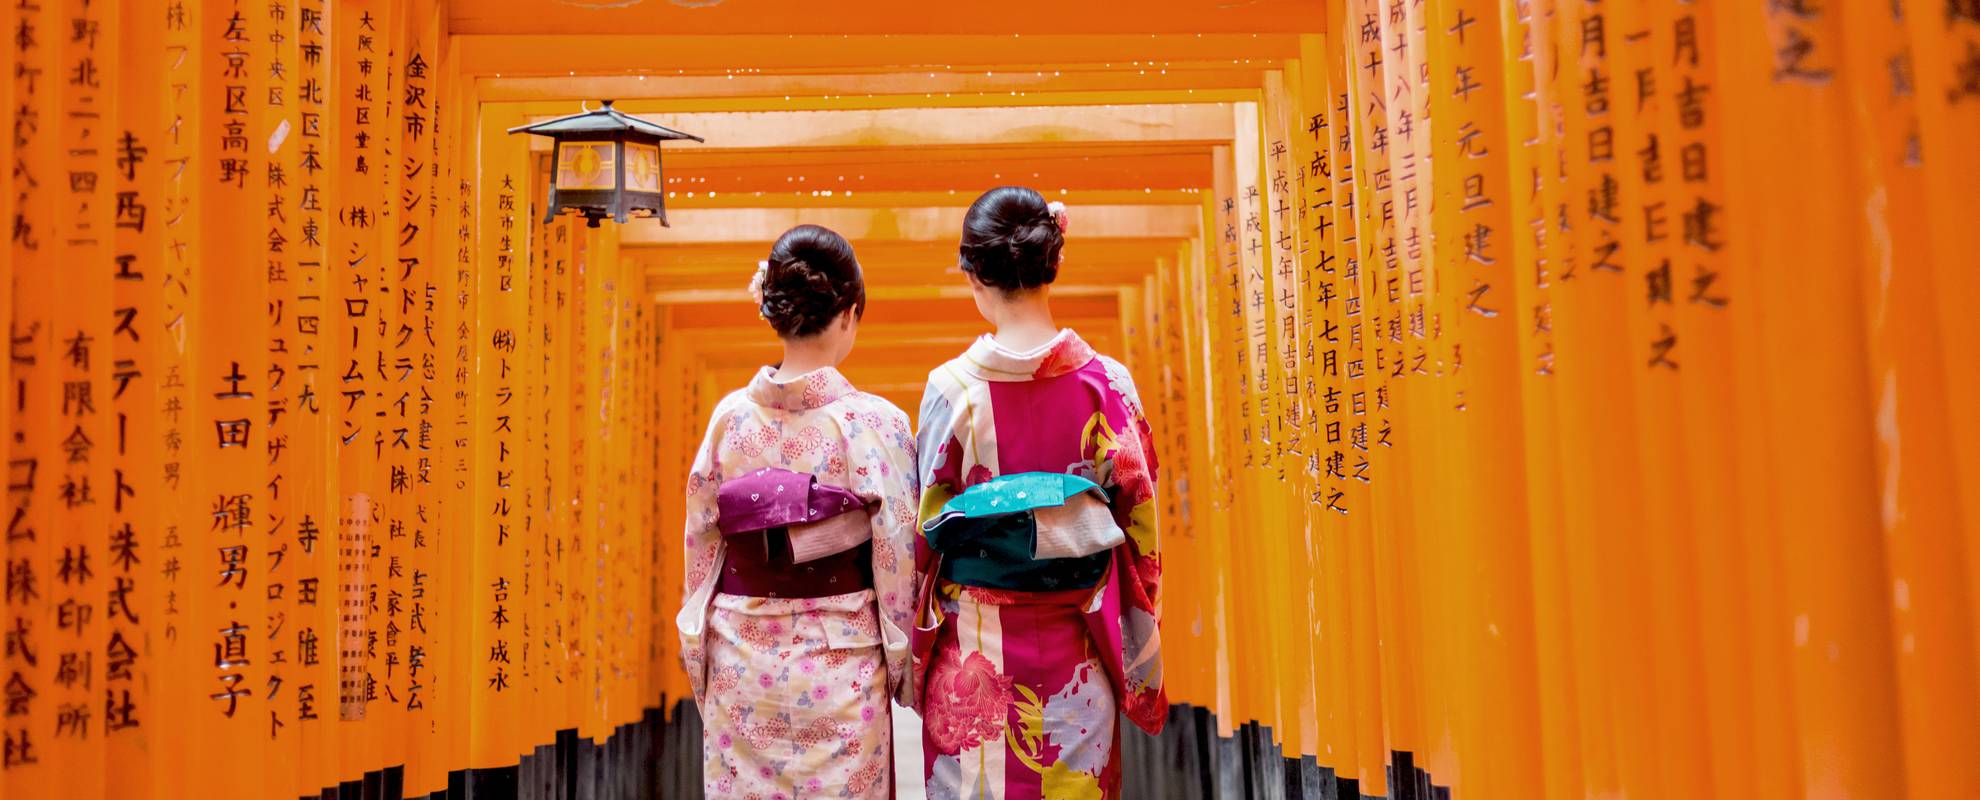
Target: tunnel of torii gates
[1555,398]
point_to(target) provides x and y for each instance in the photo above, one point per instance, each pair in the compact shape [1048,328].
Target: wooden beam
[912,281]
[909,84]
[940,170]
[1202,123]
[958,331]
[764,225]
[895,254]
[687,198]
[688,157]
[874,294]
[743,315]
[886,17]
[718,281]
[943,100]
[1105,262]
[527,51]
[909,345]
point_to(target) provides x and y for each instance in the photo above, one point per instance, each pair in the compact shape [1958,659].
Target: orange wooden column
[1366,298]
[1535,195]
[1648,105]
[588,465]
[649,541]
[1222,287]
[360,279]
[316,329]
[131,669]
[226,557]
[676,444]
[285,275]
[10,19]
[1310,193]
[1399,432]
[1593,365]
[1322,397]
[1795,232]
[1265,524]
[501,278]
[1918,484]
[461,132]
[416,480]
[1284,479]
[530,528]
[35,460]
[1945,68]
[1183,676]
[179,650]
[386,715]
[622,635]
[560,307]
[1343,402]
[1192,678]
[74,574]
[1693,109]
[1491,663]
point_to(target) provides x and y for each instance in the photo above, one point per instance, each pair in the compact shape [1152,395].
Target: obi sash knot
[790,536]
[1031,531]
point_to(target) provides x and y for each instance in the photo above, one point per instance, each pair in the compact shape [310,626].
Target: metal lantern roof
[605,164]
[604,119]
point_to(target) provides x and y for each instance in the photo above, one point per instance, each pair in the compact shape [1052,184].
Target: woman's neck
[804,355]
[1024,322]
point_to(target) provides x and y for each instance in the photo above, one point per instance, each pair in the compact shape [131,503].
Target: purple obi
[790,536]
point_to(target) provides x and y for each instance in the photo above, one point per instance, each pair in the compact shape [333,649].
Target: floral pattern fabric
[796,703]
[794,692]
[1020,691]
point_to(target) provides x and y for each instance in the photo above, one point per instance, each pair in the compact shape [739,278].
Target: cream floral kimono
[794,692]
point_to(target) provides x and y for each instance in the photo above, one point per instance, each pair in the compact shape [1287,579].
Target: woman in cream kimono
[800,523]
[1038,617]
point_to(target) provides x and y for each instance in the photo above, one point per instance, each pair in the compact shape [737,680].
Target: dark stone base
[634,763]
[660,757]
[1189,761]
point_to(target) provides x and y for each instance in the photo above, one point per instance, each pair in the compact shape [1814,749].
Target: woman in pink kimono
[800,524]
[1039,610]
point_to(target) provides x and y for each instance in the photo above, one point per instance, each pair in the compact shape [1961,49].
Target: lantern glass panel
[586,166]
[642,167]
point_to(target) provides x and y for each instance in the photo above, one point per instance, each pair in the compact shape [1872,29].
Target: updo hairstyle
[811,278]
[1011,240]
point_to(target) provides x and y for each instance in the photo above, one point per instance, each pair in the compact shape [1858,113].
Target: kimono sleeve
[938,446]
[940,471]
[1132,480]
[892,465]
[702,550]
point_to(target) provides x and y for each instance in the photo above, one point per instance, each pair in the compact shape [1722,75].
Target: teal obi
[1028,532]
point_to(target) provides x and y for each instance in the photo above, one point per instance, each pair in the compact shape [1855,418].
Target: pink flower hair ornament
[756,286]
[1058,210]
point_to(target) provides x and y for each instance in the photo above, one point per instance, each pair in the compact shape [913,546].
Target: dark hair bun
[1011,240]
[811,279]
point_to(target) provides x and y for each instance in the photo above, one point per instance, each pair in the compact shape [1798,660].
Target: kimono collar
[992,361]
[815,389]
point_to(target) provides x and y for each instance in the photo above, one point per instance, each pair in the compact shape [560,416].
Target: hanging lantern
[605,163]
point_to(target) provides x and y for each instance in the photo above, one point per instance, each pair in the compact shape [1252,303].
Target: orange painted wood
[1572,406]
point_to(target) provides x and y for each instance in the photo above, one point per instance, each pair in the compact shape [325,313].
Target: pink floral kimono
[799,596]
[1020,689]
